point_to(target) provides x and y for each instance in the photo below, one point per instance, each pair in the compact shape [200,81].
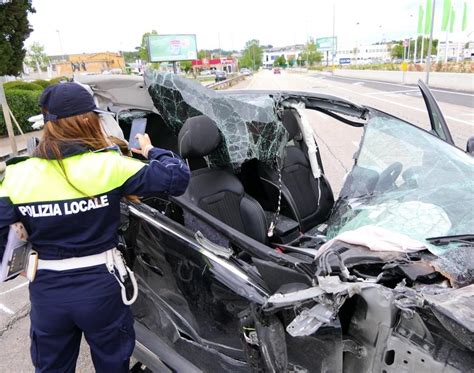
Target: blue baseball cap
[64,100]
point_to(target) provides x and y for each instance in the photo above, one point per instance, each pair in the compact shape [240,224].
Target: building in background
[362,53]
[94,63]
[228,64]
[456,51]
[289,52]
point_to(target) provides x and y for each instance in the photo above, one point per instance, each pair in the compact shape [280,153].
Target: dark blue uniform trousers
[57,326]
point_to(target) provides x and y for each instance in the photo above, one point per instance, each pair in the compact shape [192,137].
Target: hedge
[43,83]
[25,86]
[23,104]
[59,79]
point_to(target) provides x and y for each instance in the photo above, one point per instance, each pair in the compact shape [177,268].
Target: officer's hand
[145,144]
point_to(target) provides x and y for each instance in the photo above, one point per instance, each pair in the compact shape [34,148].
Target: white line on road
[402,85]
[388,93]
[407,106]
[6,309]
[15,288]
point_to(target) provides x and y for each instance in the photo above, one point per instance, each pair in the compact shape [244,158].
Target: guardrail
[226,83]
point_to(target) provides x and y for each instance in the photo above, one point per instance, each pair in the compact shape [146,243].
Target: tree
[310,54]
[291,61]
[143,50]
[14,30]
[130,57]
[252,55]
[397,51]
[203,53]
[37,59]
[186,66]
[280,61]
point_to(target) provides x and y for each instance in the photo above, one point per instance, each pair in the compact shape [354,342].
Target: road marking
[407,106]
[358,83]
[403,85]
[6,309]
[15,288]
[389,93]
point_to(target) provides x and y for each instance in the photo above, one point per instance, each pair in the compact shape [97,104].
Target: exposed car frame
[206,307]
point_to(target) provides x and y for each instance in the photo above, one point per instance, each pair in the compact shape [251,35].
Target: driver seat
[218,191]
[307,200]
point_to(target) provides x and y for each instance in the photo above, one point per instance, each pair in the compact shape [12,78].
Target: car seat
[218,191]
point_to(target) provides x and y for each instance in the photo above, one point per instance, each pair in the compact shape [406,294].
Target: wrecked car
[258,268]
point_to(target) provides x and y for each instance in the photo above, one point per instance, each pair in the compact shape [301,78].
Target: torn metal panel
[310,320]
[408,181]
[327,285]
[457,265]
[250,126]
[457,303]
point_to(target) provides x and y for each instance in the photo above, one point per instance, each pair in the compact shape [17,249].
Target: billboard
[172,47]
[326,44]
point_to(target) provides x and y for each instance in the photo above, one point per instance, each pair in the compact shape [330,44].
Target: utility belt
[112,259]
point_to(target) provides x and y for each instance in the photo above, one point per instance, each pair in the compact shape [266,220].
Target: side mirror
[470,146]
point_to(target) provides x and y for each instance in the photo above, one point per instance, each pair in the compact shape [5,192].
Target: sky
[85,26]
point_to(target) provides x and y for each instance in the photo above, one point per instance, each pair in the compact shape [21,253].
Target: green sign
[172,48]
[326,44]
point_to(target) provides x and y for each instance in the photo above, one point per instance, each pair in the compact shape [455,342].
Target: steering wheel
[388,176]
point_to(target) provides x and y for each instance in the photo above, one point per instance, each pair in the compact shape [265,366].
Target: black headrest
[198,137]
[290,120]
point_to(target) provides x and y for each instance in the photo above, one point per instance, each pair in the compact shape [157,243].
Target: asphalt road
[441,95]
[337,141]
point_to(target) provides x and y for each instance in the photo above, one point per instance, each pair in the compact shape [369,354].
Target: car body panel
[242,305]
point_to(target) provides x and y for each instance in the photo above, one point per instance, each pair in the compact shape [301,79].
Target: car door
[439,127]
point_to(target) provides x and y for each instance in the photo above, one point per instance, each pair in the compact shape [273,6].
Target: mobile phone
[138,127]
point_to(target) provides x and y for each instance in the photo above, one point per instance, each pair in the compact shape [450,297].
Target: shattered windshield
[249,124]
[408,181]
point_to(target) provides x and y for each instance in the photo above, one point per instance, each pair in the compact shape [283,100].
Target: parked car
[206,72]
[258,268]
[276,70]
[220,76]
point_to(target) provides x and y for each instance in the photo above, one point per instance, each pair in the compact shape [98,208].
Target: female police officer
[68,198]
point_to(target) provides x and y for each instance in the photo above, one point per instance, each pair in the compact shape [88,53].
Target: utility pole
[60,44]
[428,56]
[334,47]
[416,45]
[409,42]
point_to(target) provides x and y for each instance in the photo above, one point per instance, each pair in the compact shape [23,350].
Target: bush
[21,85]
[43,83]
[58,79]
[23,104]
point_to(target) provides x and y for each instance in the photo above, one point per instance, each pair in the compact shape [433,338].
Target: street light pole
[60,43]
[428,56]
[334,47]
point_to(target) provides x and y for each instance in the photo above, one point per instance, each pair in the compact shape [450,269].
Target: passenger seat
[218,191]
